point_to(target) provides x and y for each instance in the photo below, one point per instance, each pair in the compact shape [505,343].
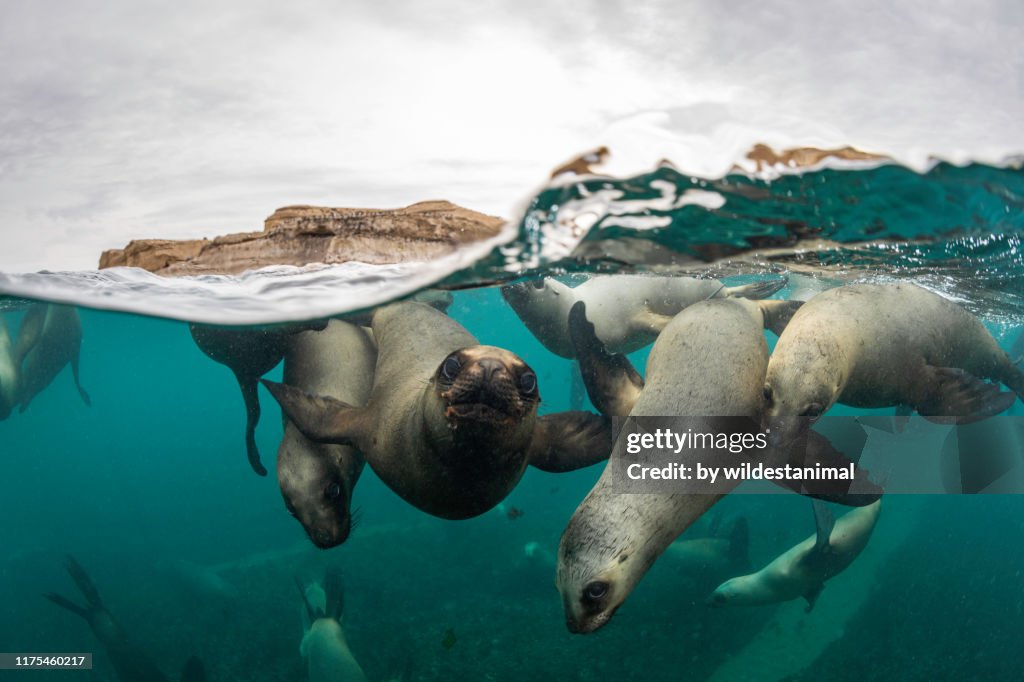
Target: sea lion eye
[290,507]
[767,393]
[528,382]
[450,367]
[595,590]
[333,491]
[813,411]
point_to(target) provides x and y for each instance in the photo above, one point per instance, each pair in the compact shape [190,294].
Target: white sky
[134,118]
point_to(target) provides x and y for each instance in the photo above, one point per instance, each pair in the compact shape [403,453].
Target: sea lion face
[316,483]
[486,386]
[725,593]
[796,395]
[595,575]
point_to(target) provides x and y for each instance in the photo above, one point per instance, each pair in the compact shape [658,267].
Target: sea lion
[131,663]
[879,345]
[327,654]
[803,570]
[8,372]
[450,425]
[49,338]
[628,311]
[249,353]
[613,539]
[317,479]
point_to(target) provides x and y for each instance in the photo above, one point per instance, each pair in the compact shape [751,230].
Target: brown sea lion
[450,425]
[317,479]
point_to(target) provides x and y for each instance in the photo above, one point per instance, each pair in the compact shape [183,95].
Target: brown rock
[301,235]
[800,157]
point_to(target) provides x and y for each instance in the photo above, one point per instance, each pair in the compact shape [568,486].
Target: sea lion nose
[490,368]
[323,536]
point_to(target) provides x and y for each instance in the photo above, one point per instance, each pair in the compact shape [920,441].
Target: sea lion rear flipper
[68,604]
[757,290]
[567,441]
[811,595]
[612,382]
[251,398]
[78,382]
[953,392]
[83,581]
[824,521]
[320,418]
[817,449]
[193,671]
[777,314]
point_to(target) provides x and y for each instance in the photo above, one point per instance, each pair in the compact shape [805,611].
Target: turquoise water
[155,472]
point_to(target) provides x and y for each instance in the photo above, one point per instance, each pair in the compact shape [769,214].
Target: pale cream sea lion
[882,345]
[450,425]
[317,479]
[628,311]
[708,362]
[803,570]
[324,646]
[49,338]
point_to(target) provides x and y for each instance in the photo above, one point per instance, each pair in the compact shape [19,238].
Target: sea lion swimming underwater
[317,479]
[249,354]
[628,311]
[450,425]
[709,361]
[131,663]
[8,372]
[883,345]
[327,654]
[49,338]
[803,570]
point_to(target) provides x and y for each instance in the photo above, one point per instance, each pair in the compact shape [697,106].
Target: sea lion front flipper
[757,290]
[777,314]
[811,595]
[78,382]
[953,392]
[824,522]
[251,398]
[320,418]
[859,492]
[193,671]
[567,441]
[612,382]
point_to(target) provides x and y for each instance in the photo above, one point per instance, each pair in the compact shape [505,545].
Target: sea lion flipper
[567,441]
[953,392]
[859,492]
[824,522]
[83,581]
[612,382]
[251,398]
[67,604]
[757,290]
[777,314]
[78,382]
[811,595]
[319,418]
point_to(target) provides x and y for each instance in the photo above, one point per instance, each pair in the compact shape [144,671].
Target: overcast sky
[132,118]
